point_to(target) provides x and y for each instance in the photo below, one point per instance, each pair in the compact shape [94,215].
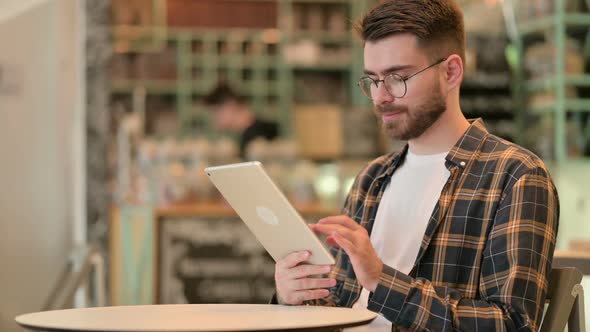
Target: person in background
[232,114]
[457,231]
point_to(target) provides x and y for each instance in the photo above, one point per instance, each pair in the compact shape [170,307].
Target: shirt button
[462,163]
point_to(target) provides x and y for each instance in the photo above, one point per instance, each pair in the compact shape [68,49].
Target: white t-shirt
[403,214]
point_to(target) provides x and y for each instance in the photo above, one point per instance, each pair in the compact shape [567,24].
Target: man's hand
[293,283]
[343,232]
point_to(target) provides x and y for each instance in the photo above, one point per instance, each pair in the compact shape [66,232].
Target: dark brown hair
[437,24]
[223,93]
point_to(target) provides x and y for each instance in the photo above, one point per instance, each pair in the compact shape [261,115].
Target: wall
[40,151]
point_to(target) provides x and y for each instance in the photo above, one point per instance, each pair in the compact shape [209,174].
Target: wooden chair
[566,301]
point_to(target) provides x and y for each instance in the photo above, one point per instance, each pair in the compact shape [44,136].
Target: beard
[413,122]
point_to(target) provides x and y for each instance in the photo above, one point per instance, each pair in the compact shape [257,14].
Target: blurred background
[108,116]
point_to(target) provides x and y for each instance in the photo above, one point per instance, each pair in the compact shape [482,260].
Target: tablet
[266,211]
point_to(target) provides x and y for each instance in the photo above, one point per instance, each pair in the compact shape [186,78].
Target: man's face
[225,116]
[408,117]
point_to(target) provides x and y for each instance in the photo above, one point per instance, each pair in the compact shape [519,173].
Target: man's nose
[380,95]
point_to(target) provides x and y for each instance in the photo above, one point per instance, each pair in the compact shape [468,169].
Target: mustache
[382,109]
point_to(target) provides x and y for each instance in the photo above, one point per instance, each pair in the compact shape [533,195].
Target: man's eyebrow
[391,69]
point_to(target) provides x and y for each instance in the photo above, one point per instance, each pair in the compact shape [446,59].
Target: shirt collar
[461,153]
[465,149]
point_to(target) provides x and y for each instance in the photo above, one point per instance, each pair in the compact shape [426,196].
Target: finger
[313,228]
[304,271]
[293,259]
[330,240]
[347,245]
[318,229]
[307,295]
[340,220]
[324,229]
[330,229]
[314,283]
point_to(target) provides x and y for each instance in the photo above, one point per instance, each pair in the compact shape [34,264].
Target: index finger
[340,220]
[293,259]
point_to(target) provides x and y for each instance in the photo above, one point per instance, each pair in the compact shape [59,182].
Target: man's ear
[453,72]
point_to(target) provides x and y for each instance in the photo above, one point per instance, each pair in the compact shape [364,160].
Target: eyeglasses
[394,83]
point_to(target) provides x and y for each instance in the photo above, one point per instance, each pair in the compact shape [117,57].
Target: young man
[231,114]
[457,231]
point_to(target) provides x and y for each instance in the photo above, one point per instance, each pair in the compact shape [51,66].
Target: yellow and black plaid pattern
[486,255]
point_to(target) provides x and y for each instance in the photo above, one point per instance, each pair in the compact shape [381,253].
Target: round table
[197,318]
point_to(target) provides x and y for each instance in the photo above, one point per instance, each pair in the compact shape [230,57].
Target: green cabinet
[564,116]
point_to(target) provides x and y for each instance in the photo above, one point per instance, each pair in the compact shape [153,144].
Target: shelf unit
[252,60]
[204,56]
[555,27]
[557,115]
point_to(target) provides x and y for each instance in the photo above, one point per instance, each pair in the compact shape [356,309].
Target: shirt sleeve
[514,274]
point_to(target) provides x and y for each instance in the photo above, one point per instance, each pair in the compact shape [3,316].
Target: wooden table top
[197,318]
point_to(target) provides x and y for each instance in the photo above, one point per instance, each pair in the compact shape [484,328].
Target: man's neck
[443,134]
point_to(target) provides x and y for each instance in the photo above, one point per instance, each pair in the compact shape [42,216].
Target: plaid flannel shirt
[485,258]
